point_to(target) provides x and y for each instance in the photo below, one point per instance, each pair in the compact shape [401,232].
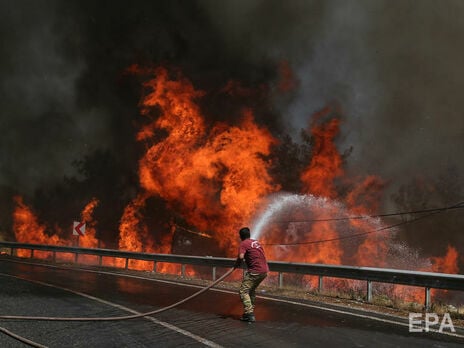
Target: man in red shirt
[253,254]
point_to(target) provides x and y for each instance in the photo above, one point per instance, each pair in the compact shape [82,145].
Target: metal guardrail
[428,280]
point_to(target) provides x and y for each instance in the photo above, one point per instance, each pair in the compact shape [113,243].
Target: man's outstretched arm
[239,260]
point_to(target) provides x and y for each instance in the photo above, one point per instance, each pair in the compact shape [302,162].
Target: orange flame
[216,177]
[364,199]
[326,162]
[89,240]
[27,229]
[131,230]
[447,263]
[318,179]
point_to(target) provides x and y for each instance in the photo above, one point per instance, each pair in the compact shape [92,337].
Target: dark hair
[244,233]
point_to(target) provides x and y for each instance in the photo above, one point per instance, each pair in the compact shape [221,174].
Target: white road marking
[197,338]
[365,316]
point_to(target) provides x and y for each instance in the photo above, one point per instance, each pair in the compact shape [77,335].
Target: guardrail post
[321,283]
[369,291]
[182,271]
[427,299]
[100,260]
[426,280]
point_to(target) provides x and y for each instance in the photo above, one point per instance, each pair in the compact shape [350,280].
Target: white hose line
[126,317]
[21,339]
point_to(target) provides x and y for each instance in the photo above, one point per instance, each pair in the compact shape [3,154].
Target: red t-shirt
[254,256]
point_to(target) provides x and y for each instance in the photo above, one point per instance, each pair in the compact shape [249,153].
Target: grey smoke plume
[394,67]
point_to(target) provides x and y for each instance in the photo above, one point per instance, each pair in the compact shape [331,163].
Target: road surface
[208,320]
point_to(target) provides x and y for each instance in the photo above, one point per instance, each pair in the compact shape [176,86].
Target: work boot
[250,317]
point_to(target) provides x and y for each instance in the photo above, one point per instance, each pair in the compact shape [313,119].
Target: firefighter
[257,268]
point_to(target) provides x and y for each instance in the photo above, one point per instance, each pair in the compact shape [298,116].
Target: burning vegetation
[199,181]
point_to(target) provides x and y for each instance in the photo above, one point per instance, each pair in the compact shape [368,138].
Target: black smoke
[70,112]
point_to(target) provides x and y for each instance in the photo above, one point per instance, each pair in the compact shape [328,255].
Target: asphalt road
[208,320]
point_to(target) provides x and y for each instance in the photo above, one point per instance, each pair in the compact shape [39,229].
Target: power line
[429,211]
[389,227]
[194,232]
[457,206]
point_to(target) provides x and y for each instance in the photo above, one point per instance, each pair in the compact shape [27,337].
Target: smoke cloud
[393,67]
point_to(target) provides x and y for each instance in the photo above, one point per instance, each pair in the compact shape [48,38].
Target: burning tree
[199,181]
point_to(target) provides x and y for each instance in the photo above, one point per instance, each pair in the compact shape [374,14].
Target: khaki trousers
[248,288]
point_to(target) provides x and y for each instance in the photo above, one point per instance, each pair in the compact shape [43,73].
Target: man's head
[244,233]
